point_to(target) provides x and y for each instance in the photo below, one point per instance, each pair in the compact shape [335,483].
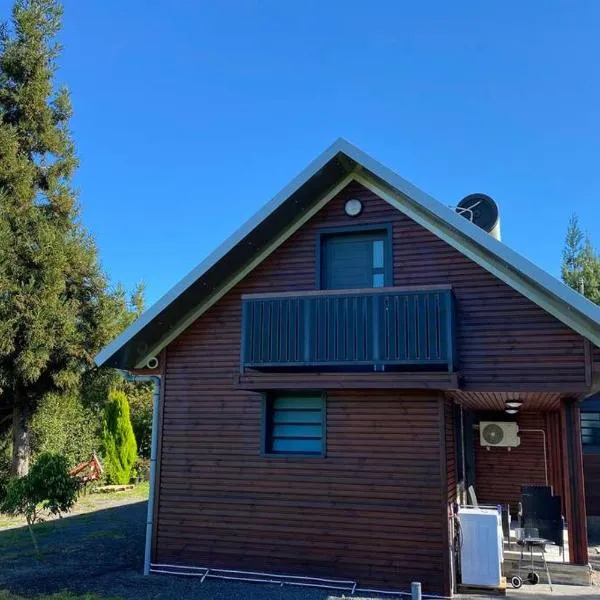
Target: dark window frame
[325,232]
[266,423]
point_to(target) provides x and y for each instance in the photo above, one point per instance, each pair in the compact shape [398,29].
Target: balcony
[381,329]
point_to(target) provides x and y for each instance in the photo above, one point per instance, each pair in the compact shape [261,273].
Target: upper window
[295,424]
[590,428]
[355,260]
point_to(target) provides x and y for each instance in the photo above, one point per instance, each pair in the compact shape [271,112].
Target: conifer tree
[581,263]
[56,310]
[118,439]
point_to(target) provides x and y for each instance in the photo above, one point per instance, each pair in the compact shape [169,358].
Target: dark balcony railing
[378,327]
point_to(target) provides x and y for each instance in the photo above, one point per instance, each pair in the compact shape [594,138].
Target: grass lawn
[86,504]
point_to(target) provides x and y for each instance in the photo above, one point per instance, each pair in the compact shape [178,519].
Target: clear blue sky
[189,115]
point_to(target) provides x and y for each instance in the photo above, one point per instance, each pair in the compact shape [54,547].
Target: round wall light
[353,207]
[152,363]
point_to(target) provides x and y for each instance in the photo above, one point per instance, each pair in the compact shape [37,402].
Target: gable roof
[297,202]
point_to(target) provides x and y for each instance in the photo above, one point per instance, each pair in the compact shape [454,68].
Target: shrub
[118,439]
[140,397]
[62,425]
[47,486]
[141,469]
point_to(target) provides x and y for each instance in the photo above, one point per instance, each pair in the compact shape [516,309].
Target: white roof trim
[564,300]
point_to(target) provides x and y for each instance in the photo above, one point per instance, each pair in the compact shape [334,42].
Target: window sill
[292,455]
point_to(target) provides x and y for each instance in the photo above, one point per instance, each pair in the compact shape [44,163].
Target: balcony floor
[343,380]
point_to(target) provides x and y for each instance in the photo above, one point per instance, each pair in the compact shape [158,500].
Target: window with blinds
[590,429]
[295,424]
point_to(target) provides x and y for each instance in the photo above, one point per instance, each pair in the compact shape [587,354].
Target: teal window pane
[590,428]
[295,424]
[378,250]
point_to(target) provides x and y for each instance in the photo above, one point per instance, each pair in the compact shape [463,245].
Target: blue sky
[189,115]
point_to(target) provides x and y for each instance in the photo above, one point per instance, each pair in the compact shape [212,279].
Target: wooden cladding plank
[574,481]
[332,381]
[450,450]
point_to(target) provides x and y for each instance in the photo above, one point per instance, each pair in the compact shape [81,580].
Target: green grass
[6,595]
[86,504]
[6,522]
[141,491]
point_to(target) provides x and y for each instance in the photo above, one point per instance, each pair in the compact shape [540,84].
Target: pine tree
[581,263]
[571,269]
[55,308]
[120,449]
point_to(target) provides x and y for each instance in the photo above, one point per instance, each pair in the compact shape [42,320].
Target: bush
[140,397]
[141,469]
[47,486]
[120,449]
[62,425]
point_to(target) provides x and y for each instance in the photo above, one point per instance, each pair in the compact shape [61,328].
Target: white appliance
[481,546]
[497,433]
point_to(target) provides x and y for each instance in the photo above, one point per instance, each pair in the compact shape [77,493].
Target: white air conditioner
[497,433]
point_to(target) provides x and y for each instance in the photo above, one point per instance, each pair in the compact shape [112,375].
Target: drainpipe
[155,379]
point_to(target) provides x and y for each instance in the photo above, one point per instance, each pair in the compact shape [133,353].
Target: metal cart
[529,540]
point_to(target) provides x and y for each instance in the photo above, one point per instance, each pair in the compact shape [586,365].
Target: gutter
[155,379]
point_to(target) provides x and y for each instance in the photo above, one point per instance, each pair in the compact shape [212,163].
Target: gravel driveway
[102,552]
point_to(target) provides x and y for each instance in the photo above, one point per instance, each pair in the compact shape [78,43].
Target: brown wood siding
[500,473]
[450,450]
[368,511]
[591,470]
[505,341]
[555,450]
[574,482]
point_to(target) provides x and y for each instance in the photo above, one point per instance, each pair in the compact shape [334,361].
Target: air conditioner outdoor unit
[502,435]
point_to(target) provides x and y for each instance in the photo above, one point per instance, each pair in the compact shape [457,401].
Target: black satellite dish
[481,210]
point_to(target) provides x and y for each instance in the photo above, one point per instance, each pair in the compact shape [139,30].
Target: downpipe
[155,379]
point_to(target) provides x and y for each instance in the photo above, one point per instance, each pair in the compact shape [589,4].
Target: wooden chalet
[323,373]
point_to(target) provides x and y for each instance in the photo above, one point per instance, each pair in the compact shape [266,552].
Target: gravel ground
[102,553]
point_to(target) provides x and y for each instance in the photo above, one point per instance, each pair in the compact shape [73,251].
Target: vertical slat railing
[378,328]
